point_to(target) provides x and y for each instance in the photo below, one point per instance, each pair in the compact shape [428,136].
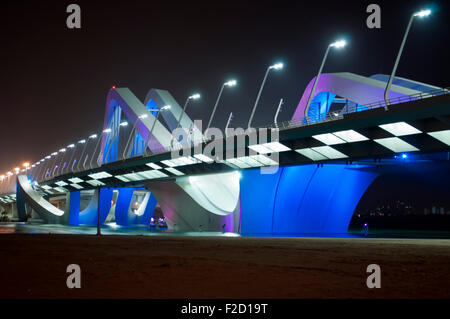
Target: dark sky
[54,80]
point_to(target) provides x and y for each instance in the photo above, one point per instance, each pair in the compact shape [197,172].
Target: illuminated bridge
[305,175]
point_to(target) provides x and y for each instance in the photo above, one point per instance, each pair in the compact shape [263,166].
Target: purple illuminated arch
[356,88]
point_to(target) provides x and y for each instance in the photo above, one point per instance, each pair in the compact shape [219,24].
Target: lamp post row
[338,44]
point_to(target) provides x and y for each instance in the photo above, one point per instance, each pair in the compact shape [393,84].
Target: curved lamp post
[116,134]
[105,131]
[165,107]
[276,66]
[338,44]
[195,96]
[230,83]
[140,117]
[420,14]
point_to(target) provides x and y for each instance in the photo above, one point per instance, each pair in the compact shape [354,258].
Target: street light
[338,45]
[195,96]
[230,117]
[420,14]
[105,131]
[140,117]
[116,133]
[276,66]
[229,84]
[165,107]
[73,147]
[83,141]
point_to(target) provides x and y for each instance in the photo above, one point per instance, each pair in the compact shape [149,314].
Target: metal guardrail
[90,160]
[357,108]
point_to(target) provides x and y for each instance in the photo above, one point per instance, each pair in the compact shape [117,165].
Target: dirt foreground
[34,266]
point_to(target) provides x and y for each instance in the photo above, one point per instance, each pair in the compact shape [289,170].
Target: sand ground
[34,266]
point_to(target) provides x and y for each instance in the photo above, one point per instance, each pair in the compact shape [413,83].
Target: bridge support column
[14,212]
[183,213]
[125,216]
[89,215]
[21,205]
[302,199]
[72,212]
[123,205]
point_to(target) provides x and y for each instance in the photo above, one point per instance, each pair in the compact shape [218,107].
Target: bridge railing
[332,116]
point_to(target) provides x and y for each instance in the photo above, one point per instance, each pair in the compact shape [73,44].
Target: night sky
[54,80]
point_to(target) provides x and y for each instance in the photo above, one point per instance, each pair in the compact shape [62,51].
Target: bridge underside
[298,199]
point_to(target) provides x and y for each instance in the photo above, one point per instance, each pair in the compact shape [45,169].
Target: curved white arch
[161,98]
[217,193]
[45,209]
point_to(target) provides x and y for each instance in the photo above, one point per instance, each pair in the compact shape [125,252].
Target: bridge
[305,175]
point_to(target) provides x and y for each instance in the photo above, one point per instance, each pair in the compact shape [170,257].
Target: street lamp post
[140,117]
[276,66]
[116,134]
[338,44]
[105,131]
[275,119]
[44,166]
[165,107]
[230,117]
[26,165]
[99,229]
[74,148]
[421,14]
[192,97]
[83,141]
[63,151]
[229,84]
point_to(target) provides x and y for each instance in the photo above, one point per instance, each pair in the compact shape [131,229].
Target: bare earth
[34,266]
